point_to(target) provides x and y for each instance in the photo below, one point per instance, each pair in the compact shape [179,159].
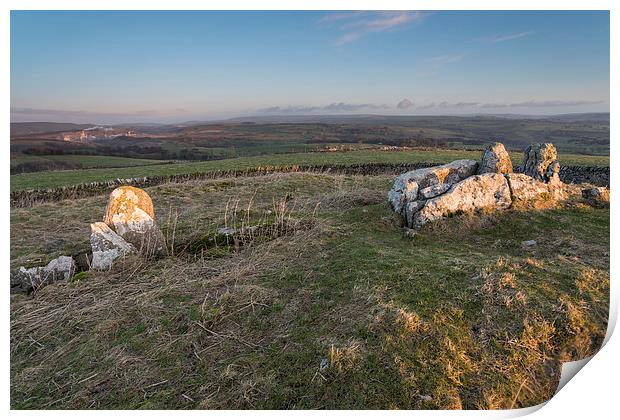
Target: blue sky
[149,66]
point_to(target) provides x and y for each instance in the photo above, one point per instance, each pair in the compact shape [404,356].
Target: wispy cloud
[70,113]
[333,107]
[510,37]
[541,104]
[355,25]
[440,60]
[405,104]
[63,115]
[498,105]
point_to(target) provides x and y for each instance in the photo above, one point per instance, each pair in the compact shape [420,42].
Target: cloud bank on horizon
[172,66]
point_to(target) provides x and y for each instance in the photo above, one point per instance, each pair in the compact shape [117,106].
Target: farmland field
[84,161]
[48,179]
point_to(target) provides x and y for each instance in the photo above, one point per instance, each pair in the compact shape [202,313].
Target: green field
[49,179]
[83,161]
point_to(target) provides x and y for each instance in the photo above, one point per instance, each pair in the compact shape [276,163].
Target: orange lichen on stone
[125,200]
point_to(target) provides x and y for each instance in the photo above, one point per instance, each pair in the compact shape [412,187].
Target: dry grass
[333,308]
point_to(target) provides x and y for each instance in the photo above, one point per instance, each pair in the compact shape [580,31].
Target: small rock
[426,397]
[28,279]
[226,231]
[528,243]
[596,197]
[107,246]
[324,364]
[409,233]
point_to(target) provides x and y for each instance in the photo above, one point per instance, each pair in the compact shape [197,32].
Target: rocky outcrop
[596,197]
[486,192]
[530,193]
[107,246]
[495,159]
[540,162]
[29,279]
[130,214]
[407,185]
[429,194]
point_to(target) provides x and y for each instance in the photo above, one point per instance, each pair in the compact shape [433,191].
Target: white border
[592,394]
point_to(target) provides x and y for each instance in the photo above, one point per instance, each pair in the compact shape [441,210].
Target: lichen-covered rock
[527,192]
[495,159]
[433,191]
[130,213]
[407,185]
[107,246]
[540,161]
[596,197]
[486,192]
[28,279]
[125,201]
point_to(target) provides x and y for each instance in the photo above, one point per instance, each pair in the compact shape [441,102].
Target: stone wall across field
[596,175]
[570,174]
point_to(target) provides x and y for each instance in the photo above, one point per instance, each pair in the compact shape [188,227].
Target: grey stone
[495,159]
[407,185]
[107,246]
[529,192]
[596,197]
[433,191]
[28,279]
[130,214]
[486,192]
[411,209]
[540,161]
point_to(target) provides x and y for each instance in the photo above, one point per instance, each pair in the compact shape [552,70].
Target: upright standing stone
[540,162]
[495,159]
[130,213]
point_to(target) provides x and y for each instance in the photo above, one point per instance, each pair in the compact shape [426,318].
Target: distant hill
[27,128]
[407,119]
[598,116]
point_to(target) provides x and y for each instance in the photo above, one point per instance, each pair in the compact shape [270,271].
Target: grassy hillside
[333,309]
[59,178]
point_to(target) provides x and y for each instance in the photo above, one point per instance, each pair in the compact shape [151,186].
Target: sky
[171,66]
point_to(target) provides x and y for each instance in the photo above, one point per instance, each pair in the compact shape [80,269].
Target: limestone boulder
[107,246]
[540,162]
[28,279]
[530,193]
[486,192]
[130,214]
[495,159]
[596,197]
[125,201]
[406,187]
